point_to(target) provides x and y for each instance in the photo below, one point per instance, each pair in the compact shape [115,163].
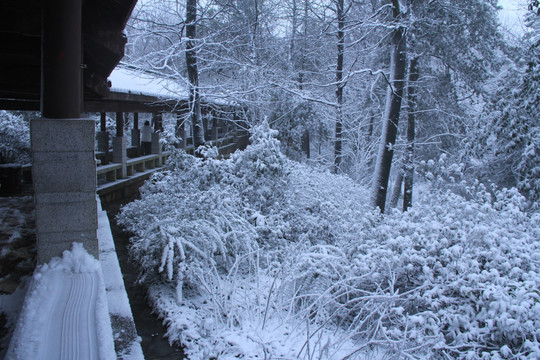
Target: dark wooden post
[103,122]
[61,50]
[64,166]
[136,134]
[136,120]
[119,124]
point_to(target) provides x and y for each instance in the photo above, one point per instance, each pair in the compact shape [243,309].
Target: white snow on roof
[137,82]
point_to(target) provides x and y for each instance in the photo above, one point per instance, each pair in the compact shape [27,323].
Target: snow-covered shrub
[14,138]
[187,223]
[450,278]
[214,232]
[257,256]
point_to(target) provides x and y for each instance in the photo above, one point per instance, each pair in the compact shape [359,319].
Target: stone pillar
[120,147]
[103,138]
[103,141]
[156,146]
[120,155]
[63,166]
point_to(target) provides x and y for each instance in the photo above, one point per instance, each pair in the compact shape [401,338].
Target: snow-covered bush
[14,139]
[450,278]
[258,256]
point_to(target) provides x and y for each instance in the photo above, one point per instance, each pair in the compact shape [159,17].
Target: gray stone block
[156,146]
[103,141]
[50,245]
[120,155]
[66,216]
[136,137]
[64,172]
[62,134]
[64,197]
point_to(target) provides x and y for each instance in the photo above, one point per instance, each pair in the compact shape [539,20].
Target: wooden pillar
[61,90]
[119,124]
[135,120]
[103,137]
[136,133]
[64,166]
[103,122]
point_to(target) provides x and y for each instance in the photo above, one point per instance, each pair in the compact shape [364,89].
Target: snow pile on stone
[65,313]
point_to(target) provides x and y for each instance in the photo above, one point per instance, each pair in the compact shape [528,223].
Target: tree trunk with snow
[339,83]
[393,108]
[193,74]
[396,191]
[408,167]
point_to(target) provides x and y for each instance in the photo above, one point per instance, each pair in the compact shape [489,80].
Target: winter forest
[387,206]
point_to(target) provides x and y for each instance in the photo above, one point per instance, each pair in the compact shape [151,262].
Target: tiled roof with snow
[130,80]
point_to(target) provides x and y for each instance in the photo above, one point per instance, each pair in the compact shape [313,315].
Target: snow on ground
[127,342]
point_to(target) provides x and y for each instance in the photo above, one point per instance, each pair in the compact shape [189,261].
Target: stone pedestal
[64,176]
[120,155]
[102,141]
[156,147]
[136,138]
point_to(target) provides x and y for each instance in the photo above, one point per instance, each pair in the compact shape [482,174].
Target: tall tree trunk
[396,191]
[339,83]
[393,108]
[292,47]
[306,138]
[411,120]
[193,74]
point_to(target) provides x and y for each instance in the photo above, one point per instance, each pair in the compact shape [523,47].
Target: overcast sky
[512,14]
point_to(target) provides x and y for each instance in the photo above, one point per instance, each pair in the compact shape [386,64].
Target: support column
[156,146]
[103,135]
[136,133]
[181,131]
[120,147]
[63,166]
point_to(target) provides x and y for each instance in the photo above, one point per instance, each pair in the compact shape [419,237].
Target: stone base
[120,155]
[156,146]
[64,175]
[136,138]
[103,141]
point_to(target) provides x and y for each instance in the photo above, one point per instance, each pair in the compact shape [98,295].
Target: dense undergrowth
[257,256]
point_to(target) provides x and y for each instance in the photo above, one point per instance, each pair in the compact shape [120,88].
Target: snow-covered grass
[257,256]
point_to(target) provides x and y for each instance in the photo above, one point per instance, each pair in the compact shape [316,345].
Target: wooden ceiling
[20,46]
